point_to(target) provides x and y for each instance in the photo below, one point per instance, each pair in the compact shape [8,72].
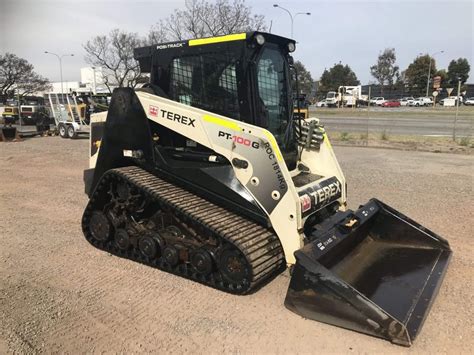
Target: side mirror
[291,61]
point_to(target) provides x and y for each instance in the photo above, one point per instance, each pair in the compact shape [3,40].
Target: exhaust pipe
[374,271]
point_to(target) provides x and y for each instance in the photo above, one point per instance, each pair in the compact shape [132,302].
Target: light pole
[429,72]
[95,83]
[291,16]
[60,57]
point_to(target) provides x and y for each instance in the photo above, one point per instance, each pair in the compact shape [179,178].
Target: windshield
[272,84]
[331,95]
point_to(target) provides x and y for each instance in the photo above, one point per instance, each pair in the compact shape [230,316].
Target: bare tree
[114,53]
[201,18]
[18,73]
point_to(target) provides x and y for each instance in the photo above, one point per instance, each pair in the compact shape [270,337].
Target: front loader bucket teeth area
[8,134]
[375,271]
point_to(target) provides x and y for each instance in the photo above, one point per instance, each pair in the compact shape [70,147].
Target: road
[60,295]
[422,125]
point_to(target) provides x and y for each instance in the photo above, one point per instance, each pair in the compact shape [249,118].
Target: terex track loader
[206,173]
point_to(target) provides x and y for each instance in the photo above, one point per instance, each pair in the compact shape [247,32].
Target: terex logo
[153,110]
[320,195]
[326,193]
[176,117]
[187,121]
[239,140]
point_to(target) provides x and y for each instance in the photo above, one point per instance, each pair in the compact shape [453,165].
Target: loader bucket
[8,134]
[375,271]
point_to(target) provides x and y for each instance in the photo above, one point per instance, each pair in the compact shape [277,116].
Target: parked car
[391,103]
[451,101]
[469,101]
[421,101]
[322,103]
[405,101]
[377,101]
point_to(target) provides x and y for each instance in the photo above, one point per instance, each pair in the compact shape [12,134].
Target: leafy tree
[305,81]
[338,75]
[385,70]
[416,75]
[18,73]
[458,69]
[114,53]
[201,18]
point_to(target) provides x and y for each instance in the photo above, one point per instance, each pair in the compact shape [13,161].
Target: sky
[351,32]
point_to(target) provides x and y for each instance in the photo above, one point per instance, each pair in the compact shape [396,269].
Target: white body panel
[266,177]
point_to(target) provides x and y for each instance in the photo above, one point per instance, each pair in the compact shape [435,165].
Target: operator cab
[243,76]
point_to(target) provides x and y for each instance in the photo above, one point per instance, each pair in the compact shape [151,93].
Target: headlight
[291,47]
[260,39]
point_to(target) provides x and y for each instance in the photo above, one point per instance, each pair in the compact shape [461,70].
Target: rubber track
[260,246]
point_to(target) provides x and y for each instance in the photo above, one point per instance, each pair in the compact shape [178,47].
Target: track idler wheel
[171,255]
[150,245]
[122,239]
[100,227]
[233,266]
[201,260]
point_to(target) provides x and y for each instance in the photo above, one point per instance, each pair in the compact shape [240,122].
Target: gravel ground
[58,294]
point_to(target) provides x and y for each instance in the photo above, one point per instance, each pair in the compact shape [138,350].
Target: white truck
[346,96]
[332,99]
[352,96]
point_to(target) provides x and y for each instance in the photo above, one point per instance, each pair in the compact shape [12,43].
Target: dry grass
[405,142]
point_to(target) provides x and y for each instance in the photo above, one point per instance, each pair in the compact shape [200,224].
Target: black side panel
[126,128]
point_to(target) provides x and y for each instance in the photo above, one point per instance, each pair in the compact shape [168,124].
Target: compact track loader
[206,173]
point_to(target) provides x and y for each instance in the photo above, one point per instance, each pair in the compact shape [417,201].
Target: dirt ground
[58,294]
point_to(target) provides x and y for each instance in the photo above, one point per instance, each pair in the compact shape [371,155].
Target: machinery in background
[10,116]
[69,115]
[301,107]
[33,112]
[25,117]
[206,173]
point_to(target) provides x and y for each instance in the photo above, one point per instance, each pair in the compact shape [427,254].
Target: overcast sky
[353,32]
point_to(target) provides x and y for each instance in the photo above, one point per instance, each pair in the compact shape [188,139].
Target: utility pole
[95,83]
[292,17]
[457,109]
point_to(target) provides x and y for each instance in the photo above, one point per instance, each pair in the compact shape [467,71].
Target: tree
[18,73]
[305,81]
[114,53]
[338,75]
[385,70]
[458,70]
[416,75]
[201,18]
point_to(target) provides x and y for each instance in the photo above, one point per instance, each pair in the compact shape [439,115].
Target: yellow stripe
[222,122]
[326,139]
[228,38]
[274,144]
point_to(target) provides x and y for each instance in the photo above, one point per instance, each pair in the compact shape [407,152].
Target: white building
[92,81]
[93,77]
